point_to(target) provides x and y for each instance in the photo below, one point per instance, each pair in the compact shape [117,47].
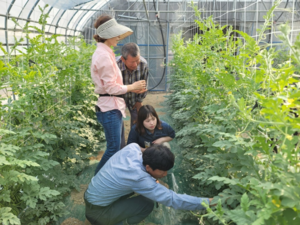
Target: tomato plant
[237,116]
[49,132]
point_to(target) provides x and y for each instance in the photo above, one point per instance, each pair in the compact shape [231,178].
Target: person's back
[117,177]
[131,170]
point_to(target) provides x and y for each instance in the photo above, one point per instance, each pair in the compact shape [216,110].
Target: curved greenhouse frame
[75,18]
[230,70]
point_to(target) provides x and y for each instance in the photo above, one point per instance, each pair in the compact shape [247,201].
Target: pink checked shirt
[108,79]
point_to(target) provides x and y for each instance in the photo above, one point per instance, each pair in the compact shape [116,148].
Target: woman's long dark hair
[144,112]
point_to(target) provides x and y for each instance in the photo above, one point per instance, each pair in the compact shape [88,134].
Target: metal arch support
[22,11]
[95,13]
[147,11]
[59,20]
[49,13]
[29,14]
[69,24]
[82,18]
[6,19]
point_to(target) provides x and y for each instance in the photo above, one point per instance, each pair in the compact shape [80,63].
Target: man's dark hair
[158,157]
[130,49]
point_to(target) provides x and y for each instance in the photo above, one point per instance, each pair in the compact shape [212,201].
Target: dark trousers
[123,211]
[133,118]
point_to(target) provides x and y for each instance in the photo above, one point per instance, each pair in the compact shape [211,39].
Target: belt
[108,95]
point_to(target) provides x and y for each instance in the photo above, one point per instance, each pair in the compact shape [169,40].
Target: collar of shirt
[105,47]
[149,133]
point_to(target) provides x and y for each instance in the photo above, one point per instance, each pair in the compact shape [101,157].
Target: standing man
[132,170]
[133,68]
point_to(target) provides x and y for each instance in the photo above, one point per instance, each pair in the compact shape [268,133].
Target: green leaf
[5,196]
[46,192]
[241,104]
[45,220]
[8,150]
[241,217]
[245,202]
[7,218]
[224,180]
[24,163]
[223,144]
[18,177]
[3,161]
[220,210]
[3,132]
[290,203]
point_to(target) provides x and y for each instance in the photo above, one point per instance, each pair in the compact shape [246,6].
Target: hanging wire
[165,54]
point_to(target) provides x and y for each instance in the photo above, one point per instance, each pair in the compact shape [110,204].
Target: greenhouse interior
[150,112]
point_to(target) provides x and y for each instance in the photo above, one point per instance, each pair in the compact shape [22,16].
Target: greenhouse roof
[65,17]
[75,17]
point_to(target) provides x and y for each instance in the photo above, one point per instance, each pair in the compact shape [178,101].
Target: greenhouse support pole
[49,11]
[82,18]
[69,24]
[148,56]
[167,55]
[97,12]
[20,13]
[59,20]
[28,17]
[6,23]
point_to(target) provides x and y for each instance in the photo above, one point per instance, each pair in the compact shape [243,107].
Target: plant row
[48,131]
[237,115]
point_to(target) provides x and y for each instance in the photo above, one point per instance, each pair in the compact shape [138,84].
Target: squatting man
[131,170]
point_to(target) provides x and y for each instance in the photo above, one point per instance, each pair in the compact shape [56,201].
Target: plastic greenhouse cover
[65,4]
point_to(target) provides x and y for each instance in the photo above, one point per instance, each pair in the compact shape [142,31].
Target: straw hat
[111,29]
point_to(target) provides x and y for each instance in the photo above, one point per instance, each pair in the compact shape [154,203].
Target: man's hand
[142,149]
[137,106]
[210,199]
[139,91]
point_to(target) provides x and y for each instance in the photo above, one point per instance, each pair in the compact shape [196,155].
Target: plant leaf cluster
[236,113]
[49,132]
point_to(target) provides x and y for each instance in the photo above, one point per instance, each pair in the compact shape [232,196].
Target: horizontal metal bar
[28,20]
[192,21]
[158,90]
[31,31]
[174,11]
[145,45]
[131,17]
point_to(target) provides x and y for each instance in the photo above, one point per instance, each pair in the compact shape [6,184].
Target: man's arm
[157,192]
[162,140]
[137,106]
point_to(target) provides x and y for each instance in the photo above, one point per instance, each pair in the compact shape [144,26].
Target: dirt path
[153,98]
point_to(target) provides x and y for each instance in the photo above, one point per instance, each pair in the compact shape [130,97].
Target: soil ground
[155,99]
